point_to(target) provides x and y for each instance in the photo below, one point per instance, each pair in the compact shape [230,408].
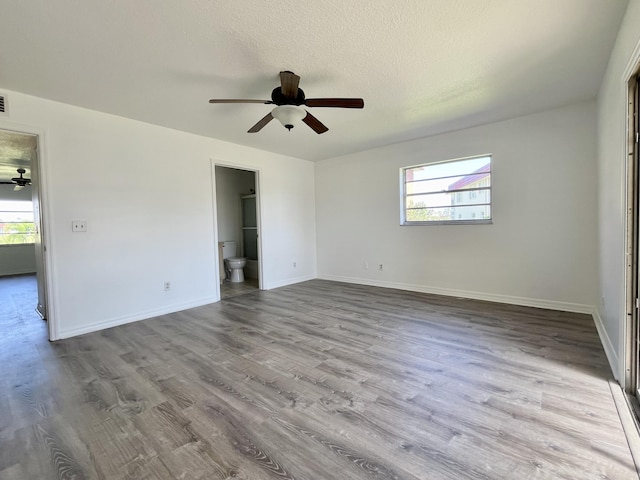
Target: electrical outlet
[167,285]
[380,267]
[294,265]
[79,226]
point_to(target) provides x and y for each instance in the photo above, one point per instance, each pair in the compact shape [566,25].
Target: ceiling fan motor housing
[21,181]
[279,99]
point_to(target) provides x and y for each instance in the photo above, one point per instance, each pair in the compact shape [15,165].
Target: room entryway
[22,249]
[237,214]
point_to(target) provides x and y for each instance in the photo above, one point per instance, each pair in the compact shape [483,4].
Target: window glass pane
[441,214]
[458,190]
[476,212]
[16,222]
[461,182]
[429,214]
[447,169]
[430,200]
[469,197]
[16,205]
[16,217]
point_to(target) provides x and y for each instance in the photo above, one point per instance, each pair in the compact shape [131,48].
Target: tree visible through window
[455,191]
[16,222]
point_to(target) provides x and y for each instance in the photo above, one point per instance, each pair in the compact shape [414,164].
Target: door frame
[629,348]
[249,168]
[42,186]
[629,379]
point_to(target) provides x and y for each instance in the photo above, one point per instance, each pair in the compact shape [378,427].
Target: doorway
[22,249]
[237,213]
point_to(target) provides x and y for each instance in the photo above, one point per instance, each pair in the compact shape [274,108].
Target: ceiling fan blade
[258,126]
[289,84]
[238,100]
[315,124]
[335,102]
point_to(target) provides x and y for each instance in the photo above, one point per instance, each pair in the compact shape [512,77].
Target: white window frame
[404,195]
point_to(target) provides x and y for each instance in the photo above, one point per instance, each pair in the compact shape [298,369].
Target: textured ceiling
[16,151]
[422,66]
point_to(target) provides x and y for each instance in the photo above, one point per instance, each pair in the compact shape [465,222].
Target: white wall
[611,175]
[7,192]
[17,259]
[541,248]
[146,194]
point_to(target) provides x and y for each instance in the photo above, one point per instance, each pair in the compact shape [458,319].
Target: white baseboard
[489,297]
[289,281]
[606,344]
[23,271]
[114,322]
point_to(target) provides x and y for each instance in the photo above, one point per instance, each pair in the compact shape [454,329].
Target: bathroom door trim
[249,168]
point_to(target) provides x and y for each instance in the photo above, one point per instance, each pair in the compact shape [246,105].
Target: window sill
[448,222]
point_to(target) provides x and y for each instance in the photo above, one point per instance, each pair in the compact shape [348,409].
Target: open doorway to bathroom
[238,231]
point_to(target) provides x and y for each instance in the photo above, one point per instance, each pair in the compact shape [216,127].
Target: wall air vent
[4,107]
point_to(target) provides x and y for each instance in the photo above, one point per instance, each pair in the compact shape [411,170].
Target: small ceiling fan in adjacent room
[289,98]
[19,182]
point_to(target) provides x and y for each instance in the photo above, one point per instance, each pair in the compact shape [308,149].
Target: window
[16,222]
[455,191]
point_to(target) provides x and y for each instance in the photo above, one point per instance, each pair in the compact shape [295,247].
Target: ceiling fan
[19,182]
[288,99]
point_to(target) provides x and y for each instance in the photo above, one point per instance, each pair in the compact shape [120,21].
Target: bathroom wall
[231,183]
[17,259]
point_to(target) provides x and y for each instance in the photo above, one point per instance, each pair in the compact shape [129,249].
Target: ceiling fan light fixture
[18,187]
[289,115]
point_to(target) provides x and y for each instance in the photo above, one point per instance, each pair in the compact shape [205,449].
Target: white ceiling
[422,66]
[16,151]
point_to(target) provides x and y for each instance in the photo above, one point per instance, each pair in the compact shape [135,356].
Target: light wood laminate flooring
[228,289]
[319,380]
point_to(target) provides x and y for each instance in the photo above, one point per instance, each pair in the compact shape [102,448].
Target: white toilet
[233,265]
